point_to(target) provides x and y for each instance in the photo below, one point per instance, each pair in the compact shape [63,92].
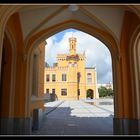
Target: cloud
[97,54]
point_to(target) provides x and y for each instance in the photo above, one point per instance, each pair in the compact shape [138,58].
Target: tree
[46,64]
[110,92]
[102,91]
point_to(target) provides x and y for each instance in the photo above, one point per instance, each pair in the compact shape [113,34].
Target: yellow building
[69,78]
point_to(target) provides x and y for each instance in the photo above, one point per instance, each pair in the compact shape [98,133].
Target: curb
[54,108]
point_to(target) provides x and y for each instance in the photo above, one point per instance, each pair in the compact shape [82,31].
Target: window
[75,64]
[64,92]
[53,91]
[47,90]
[64,77]
[89,78]
[53,78]
[47,77]
[70,64]
[72,46]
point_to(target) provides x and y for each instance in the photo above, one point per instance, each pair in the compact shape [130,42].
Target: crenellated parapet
[56,68]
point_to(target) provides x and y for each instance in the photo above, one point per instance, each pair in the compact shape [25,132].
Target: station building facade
[69,78]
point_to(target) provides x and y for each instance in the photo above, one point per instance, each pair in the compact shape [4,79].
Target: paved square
[77,118]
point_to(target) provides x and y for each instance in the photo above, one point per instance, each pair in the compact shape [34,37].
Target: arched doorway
[63,26]
[78,26]
[30,65]
[7,83]
[122,108]
[90,94]
[134,51]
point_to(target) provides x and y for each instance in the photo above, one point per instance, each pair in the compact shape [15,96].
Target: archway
[40,37]
[7,85]
[122,108]
[30,65]
[90,94]
[134,51]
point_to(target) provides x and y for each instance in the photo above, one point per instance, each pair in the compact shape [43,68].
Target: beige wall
[39,81]
[93,84]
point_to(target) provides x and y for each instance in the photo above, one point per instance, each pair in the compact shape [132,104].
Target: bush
[104,92]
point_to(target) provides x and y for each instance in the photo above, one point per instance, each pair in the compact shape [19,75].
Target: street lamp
[78,81]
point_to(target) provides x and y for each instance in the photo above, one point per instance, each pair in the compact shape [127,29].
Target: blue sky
[59,36]
[97,54]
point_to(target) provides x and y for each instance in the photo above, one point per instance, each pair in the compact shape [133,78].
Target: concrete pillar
[37,119]
[35,75]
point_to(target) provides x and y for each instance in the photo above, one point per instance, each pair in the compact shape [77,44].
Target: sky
[97,54]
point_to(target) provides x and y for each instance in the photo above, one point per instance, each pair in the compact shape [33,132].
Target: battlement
[56,68]
[72,39]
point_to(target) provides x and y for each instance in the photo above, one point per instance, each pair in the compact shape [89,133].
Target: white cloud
[96,53]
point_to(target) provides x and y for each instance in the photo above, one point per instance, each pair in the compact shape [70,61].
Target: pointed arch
[103,36]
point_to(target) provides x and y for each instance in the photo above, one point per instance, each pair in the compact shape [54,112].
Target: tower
[72,42]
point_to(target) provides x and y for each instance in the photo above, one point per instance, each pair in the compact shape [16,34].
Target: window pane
[47,77]
[64,77]
[53,91]
[64,92]
[47,90]
[53,78]
[89,77]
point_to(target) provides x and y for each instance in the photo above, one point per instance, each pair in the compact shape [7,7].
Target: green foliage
[103,92]
[55,64]
[110,92]
[46,64]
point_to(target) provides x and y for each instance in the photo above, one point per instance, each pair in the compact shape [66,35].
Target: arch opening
[64,91]
[134,50]
[90,93]
[7,83]
[116,57]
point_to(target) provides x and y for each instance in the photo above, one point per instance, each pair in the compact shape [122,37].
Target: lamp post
[78,81]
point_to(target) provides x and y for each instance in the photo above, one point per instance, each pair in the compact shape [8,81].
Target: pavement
[77,118]
[50,106]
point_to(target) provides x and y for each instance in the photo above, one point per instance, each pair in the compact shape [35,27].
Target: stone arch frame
[105,37]
[134,51]
[8,122]
[7,11]
[13,70]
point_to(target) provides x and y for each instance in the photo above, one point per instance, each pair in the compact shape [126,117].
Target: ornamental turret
[72,42]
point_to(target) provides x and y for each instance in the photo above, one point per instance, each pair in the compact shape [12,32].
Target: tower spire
[72,42]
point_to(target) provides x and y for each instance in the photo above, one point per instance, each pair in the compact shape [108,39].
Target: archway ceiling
[38,17]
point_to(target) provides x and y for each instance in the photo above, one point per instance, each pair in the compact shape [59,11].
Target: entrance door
[90,93]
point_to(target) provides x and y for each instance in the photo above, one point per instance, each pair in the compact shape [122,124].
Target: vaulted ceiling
[35,18]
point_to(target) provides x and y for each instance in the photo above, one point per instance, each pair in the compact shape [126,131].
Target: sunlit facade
[69,78]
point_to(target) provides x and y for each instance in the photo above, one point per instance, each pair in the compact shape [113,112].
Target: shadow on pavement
[67,121]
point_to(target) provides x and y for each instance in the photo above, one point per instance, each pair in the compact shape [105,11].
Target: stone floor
[77,118]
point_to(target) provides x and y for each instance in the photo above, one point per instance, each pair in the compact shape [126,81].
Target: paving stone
[77,118]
